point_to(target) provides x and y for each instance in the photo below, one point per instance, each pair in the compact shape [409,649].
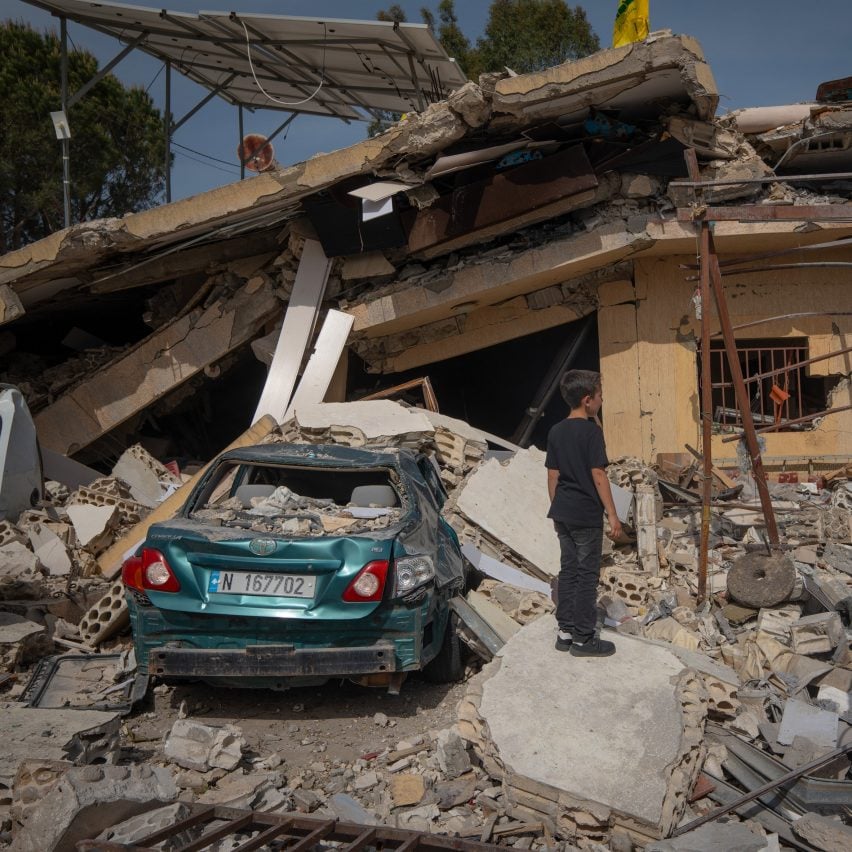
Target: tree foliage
[529,35]
[117,145]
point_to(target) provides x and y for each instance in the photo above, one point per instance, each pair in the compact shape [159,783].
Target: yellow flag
[631,22]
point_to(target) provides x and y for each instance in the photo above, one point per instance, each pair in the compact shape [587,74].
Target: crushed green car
[292,564]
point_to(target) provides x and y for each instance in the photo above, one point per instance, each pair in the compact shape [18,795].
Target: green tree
[529,35]
[117,145]
[452,39]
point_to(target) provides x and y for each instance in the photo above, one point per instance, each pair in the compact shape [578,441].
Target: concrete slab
[616,732]
[80,736]
[379,418]
[492,499]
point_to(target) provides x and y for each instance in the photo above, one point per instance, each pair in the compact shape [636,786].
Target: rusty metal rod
[741,393]
[767,213]
[706,391]
[776,426]
[772,179]
[768,255]
[790,367]
[822,264]
[792,775]
[800,315]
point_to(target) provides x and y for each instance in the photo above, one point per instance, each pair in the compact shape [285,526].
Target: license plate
[250,583]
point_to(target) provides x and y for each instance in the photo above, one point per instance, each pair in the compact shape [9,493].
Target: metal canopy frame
[347,69]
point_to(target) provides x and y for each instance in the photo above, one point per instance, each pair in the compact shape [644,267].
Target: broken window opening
[302,501]
[774,399]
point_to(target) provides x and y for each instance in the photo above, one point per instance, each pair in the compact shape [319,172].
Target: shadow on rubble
[336,699]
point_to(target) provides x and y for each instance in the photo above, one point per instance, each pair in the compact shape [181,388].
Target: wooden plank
[503,196]
[296,331]
[320,370]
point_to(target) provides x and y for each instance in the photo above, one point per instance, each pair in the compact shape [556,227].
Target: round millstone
[758,579]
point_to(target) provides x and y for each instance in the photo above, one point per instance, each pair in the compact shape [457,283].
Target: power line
[210,165]
[202,154]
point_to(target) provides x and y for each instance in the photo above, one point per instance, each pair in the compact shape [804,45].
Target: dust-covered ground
[339,721]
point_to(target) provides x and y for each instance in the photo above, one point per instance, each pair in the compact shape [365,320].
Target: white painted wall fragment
[296,331]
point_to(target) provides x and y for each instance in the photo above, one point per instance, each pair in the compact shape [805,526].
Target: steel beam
[767,213]
[102,72]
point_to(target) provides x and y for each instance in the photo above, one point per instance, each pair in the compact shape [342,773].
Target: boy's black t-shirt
[574,446]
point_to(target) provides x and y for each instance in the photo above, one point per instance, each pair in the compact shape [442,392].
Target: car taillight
[369,583]
[151,571]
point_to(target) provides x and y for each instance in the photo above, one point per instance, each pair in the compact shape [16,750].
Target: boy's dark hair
[576,384]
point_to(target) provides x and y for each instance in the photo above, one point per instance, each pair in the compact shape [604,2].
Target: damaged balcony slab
[151,369]
[618,738]
[484,303]
[636,79]
[67,258]
[501,197]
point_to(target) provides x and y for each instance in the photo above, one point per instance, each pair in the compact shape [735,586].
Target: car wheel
[447,665]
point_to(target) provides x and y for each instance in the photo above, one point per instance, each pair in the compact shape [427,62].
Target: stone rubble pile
[765,662]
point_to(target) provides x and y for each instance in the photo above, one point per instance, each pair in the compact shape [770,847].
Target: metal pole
[168,127]
[706,389]
[240,143]
[66,143]
[743,402]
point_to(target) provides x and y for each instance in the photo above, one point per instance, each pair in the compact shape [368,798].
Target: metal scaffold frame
[710,279]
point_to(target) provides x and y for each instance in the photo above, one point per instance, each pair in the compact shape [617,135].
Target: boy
[579,495]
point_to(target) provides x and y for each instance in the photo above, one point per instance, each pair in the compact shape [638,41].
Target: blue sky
[762,52]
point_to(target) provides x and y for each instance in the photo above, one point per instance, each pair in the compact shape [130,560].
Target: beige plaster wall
[648,340]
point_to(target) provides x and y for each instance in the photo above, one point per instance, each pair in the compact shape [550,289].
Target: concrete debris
[79,736]
[149,481]
[766,655]
[88,800]
[486,509]
[106,618]
[21,642]
[830,835]
[136,828]
[193,745]
[715,837]
[22,575]
[582,783]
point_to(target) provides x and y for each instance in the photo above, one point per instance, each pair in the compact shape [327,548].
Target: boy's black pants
[576,607]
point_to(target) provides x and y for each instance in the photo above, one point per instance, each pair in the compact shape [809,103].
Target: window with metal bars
[775,397]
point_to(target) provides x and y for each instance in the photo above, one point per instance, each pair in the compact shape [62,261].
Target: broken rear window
[300,501]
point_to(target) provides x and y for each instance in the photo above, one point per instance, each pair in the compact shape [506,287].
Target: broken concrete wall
[166,359]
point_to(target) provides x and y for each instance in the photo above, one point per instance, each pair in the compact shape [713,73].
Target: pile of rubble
[701,701]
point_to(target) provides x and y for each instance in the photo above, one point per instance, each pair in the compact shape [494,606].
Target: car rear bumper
[271,661]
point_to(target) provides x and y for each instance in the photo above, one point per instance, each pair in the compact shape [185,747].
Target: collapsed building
[525,225]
